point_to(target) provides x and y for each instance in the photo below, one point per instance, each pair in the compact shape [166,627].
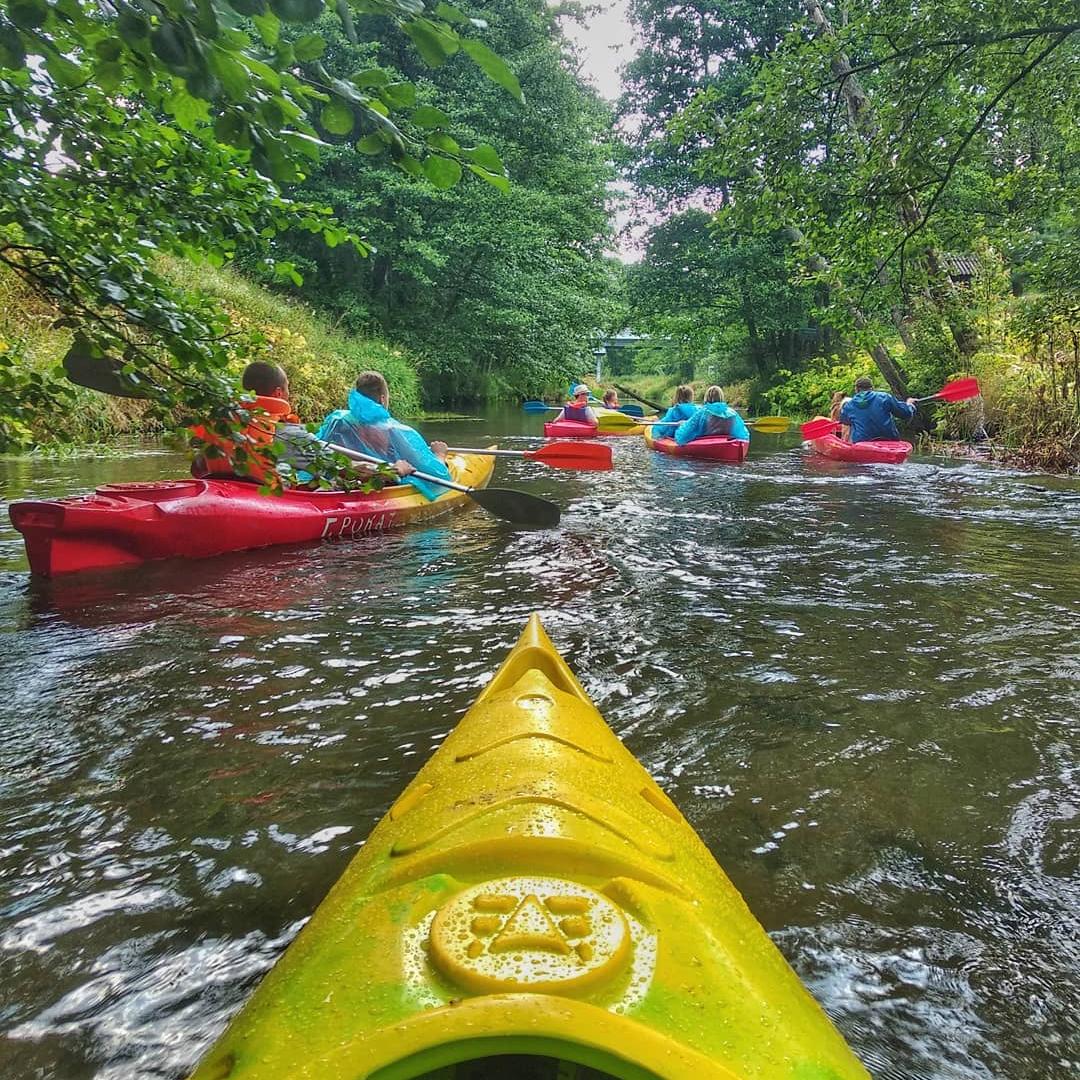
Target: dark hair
[684,394]
[372,384]
[264,378]
[864,383]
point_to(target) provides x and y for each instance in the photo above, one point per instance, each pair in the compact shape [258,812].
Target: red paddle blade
[815,429]
[573,455]
[959,390]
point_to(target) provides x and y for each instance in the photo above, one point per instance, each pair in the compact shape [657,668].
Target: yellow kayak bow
[532,893]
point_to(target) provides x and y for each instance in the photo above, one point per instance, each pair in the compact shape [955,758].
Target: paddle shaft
[637,397]
[369,460]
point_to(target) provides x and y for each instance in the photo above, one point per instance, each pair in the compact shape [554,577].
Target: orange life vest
[260,431]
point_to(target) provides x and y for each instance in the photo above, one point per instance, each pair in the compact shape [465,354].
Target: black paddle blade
[101,373]
[518,507]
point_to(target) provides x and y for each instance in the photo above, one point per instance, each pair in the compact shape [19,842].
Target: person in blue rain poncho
[683,409]
[367,427]
[715,417]
[869,414]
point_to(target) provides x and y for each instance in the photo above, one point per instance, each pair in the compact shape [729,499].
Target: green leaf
[248,7]
[232,75]
[371,144]
[187,110]
[427,116]
[493,66]
[269,27]
[109,75]
[108,48]
[305,144]
[487,157]
[12,53]
[410,165]
[369,78]
[399,95]
[441,141]
[494,179]
[337,118]
[298,11]
[309,47]
[442,172]
[28,14]
[65,72]
[433,44]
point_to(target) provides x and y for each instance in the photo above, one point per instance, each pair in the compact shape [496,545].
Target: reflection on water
[859,683]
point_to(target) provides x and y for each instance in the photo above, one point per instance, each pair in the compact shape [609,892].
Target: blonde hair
[714,393]
[610,395]
[684,394]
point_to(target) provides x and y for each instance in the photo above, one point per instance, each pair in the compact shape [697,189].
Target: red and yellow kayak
[532,893]
[128,524]
[708,448]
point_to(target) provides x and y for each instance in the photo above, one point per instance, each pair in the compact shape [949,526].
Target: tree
[136,128]
[500,290]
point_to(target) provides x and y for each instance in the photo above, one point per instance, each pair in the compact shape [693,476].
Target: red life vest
[259,432]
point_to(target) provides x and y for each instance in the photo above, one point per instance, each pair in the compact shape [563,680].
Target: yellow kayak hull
[532,892]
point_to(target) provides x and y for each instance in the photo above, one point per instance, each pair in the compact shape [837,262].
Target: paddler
[682,409]
[272,421]
[715,417]
[577,408]
[611,400]
[367,426]
[869,413]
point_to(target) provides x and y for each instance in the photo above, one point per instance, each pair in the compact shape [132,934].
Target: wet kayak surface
[859,683]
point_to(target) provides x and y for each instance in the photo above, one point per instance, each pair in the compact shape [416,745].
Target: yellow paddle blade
[770,425]
[616,421]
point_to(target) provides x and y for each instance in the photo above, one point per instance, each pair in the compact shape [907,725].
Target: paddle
[517,507]
[638,397]
[957,390]
[539,407]
[617,421]
[559,455]
[632,410]
[769,425]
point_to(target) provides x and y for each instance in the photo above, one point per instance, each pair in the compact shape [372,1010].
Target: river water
[860,684]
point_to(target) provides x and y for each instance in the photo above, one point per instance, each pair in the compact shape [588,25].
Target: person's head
[684,395]
[713,394]
[611,399]
[372,384]
[838,397]
[580,394]
[266,380]
[863,383]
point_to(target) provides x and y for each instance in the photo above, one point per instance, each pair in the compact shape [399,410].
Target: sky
[606,43]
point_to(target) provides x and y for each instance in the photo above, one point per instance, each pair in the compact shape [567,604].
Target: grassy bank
[661,388]
[321,362]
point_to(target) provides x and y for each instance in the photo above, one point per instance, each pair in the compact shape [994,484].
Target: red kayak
[127,524]
[708,448]
[570,429]
[874,451]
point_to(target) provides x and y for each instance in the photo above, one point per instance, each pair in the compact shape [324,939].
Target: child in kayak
[367,427]
[683,409]
[715,417]
[577,408]
[611,400]
[839,400]
[870,413]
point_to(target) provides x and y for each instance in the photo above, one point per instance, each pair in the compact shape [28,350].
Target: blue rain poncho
[714,418]
[368,428]
[870,415]
[664,428]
